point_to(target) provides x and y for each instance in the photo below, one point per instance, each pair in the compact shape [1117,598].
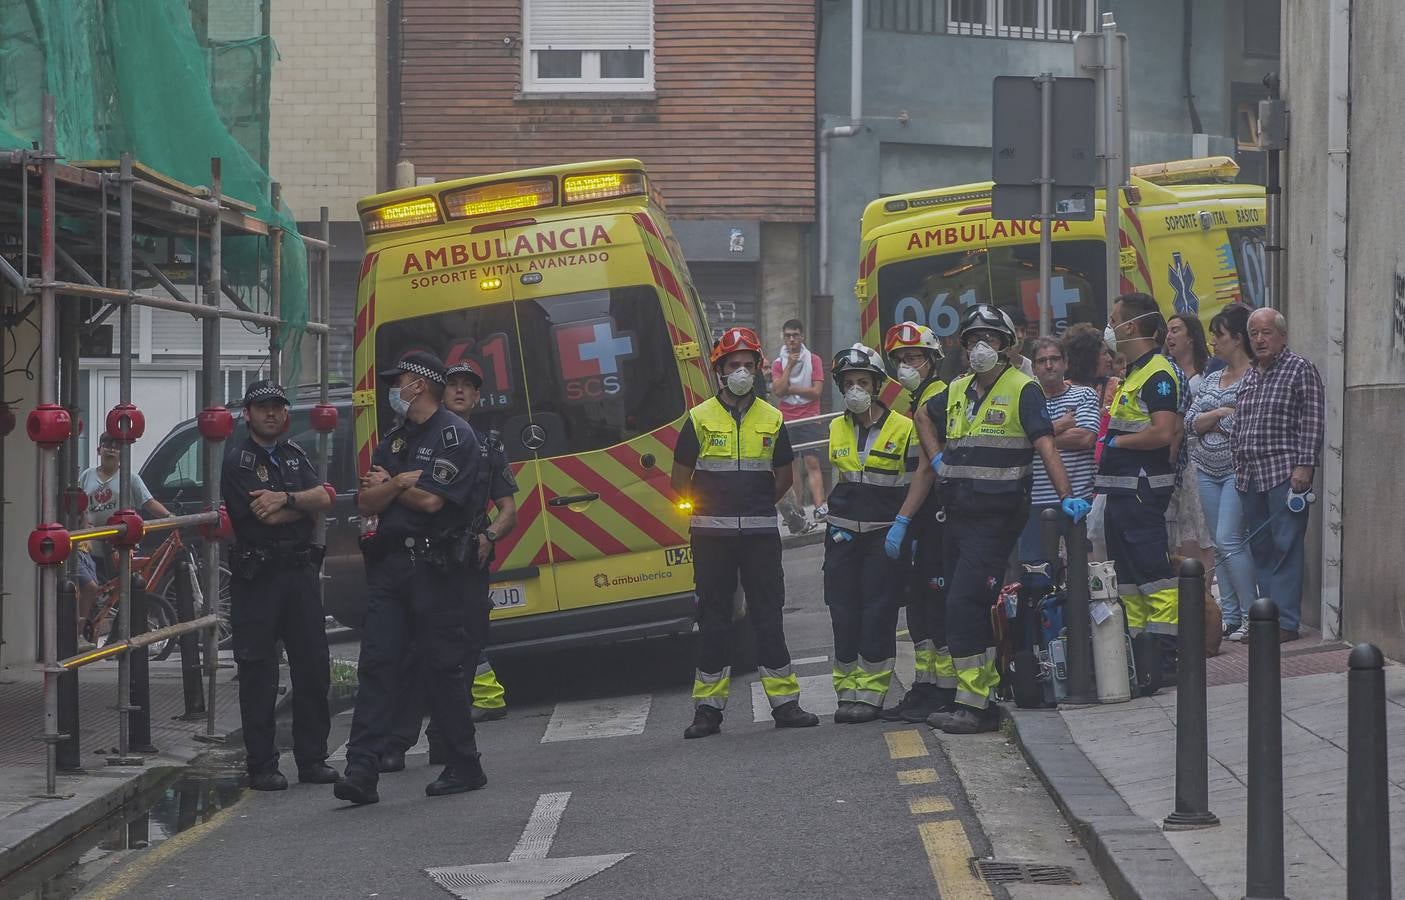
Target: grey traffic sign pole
[1046,199]
[1112,153]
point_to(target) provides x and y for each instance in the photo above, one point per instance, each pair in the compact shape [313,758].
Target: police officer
[915,354]
[1136,473]
[733,460]
[421,488]
[875,454]
[982,434]
[463,384]
[273,494]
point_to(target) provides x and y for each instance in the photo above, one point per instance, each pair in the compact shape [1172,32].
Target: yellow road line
[923,805]
[917,776]
[905,744]
[142,865]
[950,854]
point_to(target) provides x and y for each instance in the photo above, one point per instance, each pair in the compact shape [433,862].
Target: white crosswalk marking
[808,660]
[816,696]
[339,754]
[581,720]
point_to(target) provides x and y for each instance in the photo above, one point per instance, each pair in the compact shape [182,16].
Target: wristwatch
[292,499]
[492,538]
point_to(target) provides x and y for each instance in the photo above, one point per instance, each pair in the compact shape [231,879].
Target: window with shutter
[588,45]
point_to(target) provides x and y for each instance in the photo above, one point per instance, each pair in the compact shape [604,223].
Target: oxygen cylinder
[1110,655]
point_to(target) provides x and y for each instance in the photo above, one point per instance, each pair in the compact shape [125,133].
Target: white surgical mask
[909,377]
[739,382]
[983,357]
[398,403]
[857,400]
[1110,333]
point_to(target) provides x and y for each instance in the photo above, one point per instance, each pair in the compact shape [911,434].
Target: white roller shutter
[589,24]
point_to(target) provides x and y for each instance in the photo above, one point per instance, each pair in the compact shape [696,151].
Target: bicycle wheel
[225,630]
[159,614]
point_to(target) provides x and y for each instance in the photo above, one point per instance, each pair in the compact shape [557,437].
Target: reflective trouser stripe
[1156,610]
[925,657]
[487,690]
[977,679]
[945,669]
[733,523]
[844,684]
[712,689]
[871,680]
[781,685]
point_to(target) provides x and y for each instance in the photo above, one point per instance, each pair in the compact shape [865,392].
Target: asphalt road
[592,765]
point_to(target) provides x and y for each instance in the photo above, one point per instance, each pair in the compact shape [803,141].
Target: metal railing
[1031,20]
[204,215]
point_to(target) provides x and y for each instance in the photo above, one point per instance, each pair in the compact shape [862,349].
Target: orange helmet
[909,334]
[737,338]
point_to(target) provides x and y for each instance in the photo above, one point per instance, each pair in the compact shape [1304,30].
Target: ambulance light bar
[405,214]
[1184,171]
[504,196]
[601,186]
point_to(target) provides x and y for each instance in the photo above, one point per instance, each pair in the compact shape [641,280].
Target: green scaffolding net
[173,82]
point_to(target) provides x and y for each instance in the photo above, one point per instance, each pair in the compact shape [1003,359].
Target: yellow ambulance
[1190,237]
[568,289]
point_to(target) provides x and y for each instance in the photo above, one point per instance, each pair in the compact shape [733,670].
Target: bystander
[797,380]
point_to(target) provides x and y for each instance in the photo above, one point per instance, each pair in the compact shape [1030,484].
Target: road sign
[1017,141]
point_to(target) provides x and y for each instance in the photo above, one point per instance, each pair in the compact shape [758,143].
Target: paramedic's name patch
[577,237]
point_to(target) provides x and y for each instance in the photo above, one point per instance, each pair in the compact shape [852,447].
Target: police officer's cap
[468,369]
[265,390]
[417,362]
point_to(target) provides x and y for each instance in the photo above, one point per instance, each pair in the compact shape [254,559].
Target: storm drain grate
[998,871]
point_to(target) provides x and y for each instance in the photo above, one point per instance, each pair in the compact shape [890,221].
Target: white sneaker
[821,512]
[1240,635]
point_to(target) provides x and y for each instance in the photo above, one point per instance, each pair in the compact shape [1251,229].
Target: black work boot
[267,780]
[790,715]
[707,721]
[1146,650]
[969,720]
[909,700]
[391,761]
[317,773]
[931,699]
[357,786]
[863,712]
[457,778]
[488,713]
[844,714]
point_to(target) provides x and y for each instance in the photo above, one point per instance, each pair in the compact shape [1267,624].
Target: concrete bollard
[1367,795]
[1192,725]
[1264,869]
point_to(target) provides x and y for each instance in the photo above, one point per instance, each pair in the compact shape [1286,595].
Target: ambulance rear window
[937,290]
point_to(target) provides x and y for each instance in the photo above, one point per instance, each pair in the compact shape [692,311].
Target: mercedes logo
[533,437]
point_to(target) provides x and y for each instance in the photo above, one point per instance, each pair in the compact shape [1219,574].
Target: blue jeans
[1278,549]
[1031,545]
[1234,565]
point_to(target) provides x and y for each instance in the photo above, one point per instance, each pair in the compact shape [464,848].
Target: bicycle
[155,575]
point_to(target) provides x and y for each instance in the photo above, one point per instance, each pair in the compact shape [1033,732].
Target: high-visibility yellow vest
[926,391]
[734,483]
[869,488]
[1120,470]
[989,453]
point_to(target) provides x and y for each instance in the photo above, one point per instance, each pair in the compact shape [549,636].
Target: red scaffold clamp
[135,527]
[215,423]
[49,425]
[49,544]
[125,423]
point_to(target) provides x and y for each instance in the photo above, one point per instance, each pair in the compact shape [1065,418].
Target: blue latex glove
[839,535]
[893,544]
[1075,508]
[937,463]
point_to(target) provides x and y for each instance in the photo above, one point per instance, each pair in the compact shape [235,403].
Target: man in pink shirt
[797,378]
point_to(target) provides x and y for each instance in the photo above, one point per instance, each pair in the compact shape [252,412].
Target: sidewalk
[31,825]
[1112,771]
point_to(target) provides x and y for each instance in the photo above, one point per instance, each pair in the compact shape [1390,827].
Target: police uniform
[419,597]
[1138,485]
[984,480]
[873,467]
[275,596]
[925,597]
[734,452]
[486,692]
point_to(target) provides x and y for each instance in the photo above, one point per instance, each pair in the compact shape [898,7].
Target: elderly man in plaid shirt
[1276,445]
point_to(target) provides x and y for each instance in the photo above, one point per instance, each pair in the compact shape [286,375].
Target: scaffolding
[82,198]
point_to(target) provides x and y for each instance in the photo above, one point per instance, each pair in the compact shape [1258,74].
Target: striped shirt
[1083,402]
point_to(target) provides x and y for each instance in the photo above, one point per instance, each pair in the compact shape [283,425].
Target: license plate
[507,596]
